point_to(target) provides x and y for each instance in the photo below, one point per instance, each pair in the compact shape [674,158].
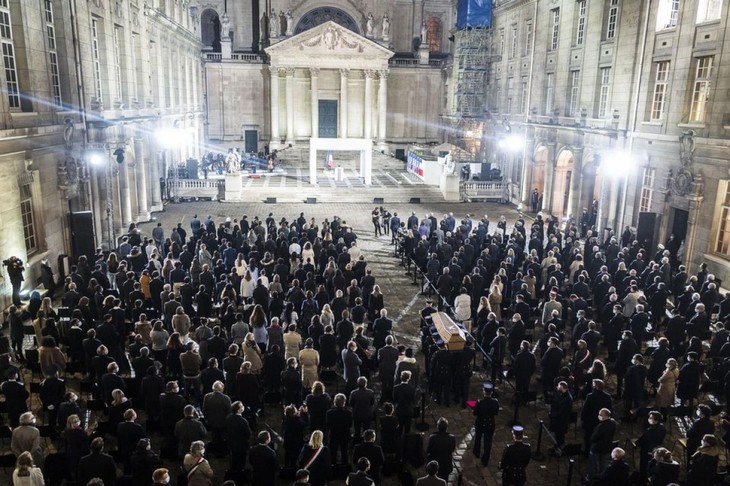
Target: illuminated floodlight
[170,137]
[618,162]
[96,157]
[512,143]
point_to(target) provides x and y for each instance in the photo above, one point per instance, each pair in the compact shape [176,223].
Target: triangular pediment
[328,45]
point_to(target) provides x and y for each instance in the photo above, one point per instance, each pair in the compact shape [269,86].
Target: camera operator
[15,272]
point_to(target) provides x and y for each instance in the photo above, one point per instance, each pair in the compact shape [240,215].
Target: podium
[451,333]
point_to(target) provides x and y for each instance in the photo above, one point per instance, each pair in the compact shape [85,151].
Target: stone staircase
[290,183]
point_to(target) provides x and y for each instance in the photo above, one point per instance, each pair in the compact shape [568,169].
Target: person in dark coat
[172,406]
[560,408]
[216,406]
[360,476]
[485,414]
[97,465]
[387,361]
[362,402]
[143,462]
[617,471]
[595,401]
[626,351]
[404,398]
[703,466]
[129,433]
[15,396]
[372,452]
[515,459]
[238,436]
[550,362]
[659,359]
[601,444]
[292,431]
[524,368]
[291,380]
[635,381]
[264,464]
[339,426]
[652,438]
[688,384]
[315,458]
[441,447]
[701,427]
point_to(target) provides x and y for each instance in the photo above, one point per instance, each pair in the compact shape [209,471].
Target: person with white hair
[617,471]
[27,438]
[216,406]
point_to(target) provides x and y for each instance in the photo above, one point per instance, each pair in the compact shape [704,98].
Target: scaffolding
[471,75]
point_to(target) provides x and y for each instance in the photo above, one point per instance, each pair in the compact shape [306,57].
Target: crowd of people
[206,333]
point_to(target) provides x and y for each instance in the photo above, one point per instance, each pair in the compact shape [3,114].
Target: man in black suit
[360,476]
[339,424]
[652,438]
[53,390]
[15,396]
[111,381]
[382,327]
[373,452]
[560,409]
[617,471]
[97,465]
[595,401]
[362,402]
[601,444]
[485,412]
[515,459]
[387,361]
[441,447]
[404,398]
[216,406]
[128,435]
[263,461]
[172,406]
[702,426]
[238,435]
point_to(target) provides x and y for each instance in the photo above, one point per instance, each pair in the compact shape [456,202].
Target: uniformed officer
[426,313]
[462,371]
[515,459]
[441,375]
[484,424]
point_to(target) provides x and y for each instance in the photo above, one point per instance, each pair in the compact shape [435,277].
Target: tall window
[709,10]
[118,60]
[605,74]
[580,30]
[433,34]
[501,42]
[612,20]
[647,189]
[528,39]
[96,57]
[554,28]
[9,62]
[701,91]
[26,213]
[53,53]
[722,244]
[667,14]
[659,99]
[574,95]
[509,105]
[523,96]
[549,93]
[133,60]
[513,51]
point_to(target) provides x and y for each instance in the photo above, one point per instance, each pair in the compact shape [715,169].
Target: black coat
[602,437]
[560,409]
[319,470]
[264,465]
[238,433]
[688,383]
[551,361]
[375,455]
[339,423]
[143,465]
[97,465]
[634,382]
[441,447]
[616,473]
[15,397]
[699,429]
[595,401]
[703,469]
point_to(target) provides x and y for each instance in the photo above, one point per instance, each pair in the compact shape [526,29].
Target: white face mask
[601,418]
[652,422]
[698,413]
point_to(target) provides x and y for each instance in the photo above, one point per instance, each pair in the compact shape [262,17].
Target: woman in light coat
[309,361]
[252,353]
[495,301]
[203,473]
[247,285]
[292,342]
[667,386]
[462,306]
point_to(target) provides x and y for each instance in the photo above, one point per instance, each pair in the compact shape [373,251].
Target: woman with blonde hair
[667,387]
[26,473]
[77,443]
[241,265]
[308,252]
[495,301]
[315,458]
[327,317]
[120,404]
[196,466]
[252,353]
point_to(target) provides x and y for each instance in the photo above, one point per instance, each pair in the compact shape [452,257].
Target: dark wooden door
[327,118]
[252,141]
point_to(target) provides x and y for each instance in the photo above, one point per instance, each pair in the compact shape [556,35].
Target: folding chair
[29,339]
[7,461]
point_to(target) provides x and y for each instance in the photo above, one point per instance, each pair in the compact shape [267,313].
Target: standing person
[27,438]
[238,434]
[15,272]
[97,464]
[315,458]
[404,398]
[372,452]
[264,464]
[26,473]
[441,447]
[196,466]
[362,402]
[360,476]
[352,363]
[15,396]
[431,479]
[595,401]
[560,409]
[17,333]
[515,459]
[650,440]
[635,383]
[601,444]
[667,386]
[485,412]
[376,221]
[339,426]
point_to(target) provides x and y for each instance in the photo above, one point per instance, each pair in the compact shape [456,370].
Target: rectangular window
[9,62]
[513,51]
[26,213]
[554,28]
[509,105]
[501,42]
[133,60]
[574,95]
[612,20]
[708,10]
[528,39]
[722,244]
[53,53]
[580,30]
[604,91]
[647,189]
[96,57]
[659,99]
[701,91]
[549,93]
[667,14]
[523,96]
[118,61]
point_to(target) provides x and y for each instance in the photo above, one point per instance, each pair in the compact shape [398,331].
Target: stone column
[382,109]
[125,195]
[528,165]
[695,204]
[155,182]
[141,161]
[344,73]
[290,106]
[575,183]
[547,198]
[314,78]
[367,131]
[275,137]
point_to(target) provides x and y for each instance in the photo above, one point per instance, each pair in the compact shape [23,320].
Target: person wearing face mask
[560,409]
[550,363]
[144,462]
[196,466]
[617,471]
[652,438]
[627,348]
[161,477]
[516,334]
[667,386]
[595,401]
[703,468]
[601,444]
[689,379]
[635,382]
[699,429]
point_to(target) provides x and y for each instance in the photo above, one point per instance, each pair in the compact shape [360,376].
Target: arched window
[321,15]
[210,30]
[433,34]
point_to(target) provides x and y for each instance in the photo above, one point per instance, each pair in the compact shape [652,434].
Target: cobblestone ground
[403,302]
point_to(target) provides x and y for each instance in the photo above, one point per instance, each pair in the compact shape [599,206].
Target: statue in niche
[273,24]
[369,25]
[225,27]
[424,33]
[386,27]
[282,23]
[233,162]
[683,179]
[289,23]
